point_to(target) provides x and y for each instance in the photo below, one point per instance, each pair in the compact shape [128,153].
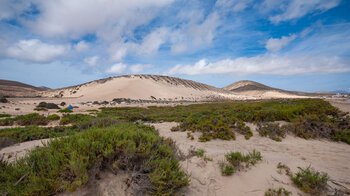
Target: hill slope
[13,88]
[258,90]
[145,87]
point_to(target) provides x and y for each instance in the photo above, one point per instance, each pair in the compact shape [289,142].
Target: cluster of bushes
[29,119]
[22,134]
[277,192]
[70,162]
[75,119]
[3,100]
[5,115]
[237,161]
[271,130]
[43,106]
[309,118]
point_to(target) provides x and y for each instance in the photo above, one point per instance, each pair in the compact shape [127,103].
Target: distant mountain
[252,88]
[17,89]
[44,88]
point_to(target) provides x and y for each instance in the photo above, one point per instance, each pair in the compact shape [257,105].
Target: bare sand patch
[206,178]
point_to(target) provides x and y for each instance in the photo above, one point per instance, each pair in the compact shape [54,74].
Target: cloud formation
[267,65]
[34,50]
[117,68]
[275,44]
[92,61]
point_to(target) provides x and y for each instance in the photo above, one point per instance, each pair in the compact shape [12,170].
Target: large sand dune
[145,87]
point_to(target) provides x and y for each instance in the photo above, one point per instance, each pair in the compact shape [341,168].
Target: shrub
[279,192]
[7,121]
[3,100]
[5,115]
[75,118]
[311,181]
[62,103]
[53,117]
[67,163]
[226,169]
[282,167]
[271,130]
[66,110]
[31,119]
[238,160]
[40,109]
[48,105]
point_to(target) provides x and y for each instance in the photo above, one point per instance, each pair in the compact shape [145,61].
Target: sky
[290,44]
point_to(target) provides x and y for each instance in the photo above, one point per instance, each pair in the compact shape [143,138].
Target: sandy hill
[258,90]
[146,87]
[13,88]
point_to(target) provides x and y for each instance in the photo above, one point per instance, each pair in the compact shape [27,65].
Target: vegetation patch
[5,115]
[201,153]
[311,181]
[238,161]
[70,162]
[66,110]
[309,118]
[277,192]
[22,134]
[75,119]
[48,105]
[3,100]
[271,130]
[53,117]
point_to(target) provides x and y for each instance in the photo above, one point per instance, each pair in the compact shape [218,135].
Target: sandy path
[206,179]
[19,150]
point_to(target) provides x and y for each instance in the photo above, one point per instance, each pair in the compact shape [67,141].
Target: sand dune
[146,87]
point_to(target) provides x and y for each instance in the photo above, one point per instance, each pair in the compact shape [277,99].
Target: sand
[206,179]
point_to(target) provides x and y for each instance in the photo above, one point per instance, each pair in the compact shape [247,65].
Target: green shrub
[66,163]
[4,115]
[53,117]
[62,103]
[311,181]
[238,160]
[40,109]
[48,105]
[75,118]
[31,119]
[3,100]
[226,169]
[279,192]
[66,110]
[22,134]
[271,130]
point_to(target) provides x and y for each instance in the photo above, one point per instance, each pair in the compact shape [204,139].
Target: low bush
[239,161]
[31,119]
[53,117]
[226,168]
[7,121]
[3,100]
[282,167]
[277,192]
[66,110]
[271,130]
[40,109]
[48,105]
[5,115]
[67,163]
[311,181]
[23,134]
[62,103]
[75,118]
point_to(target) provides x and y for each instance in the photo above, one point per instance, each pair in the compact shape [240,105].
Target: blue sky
[290,44]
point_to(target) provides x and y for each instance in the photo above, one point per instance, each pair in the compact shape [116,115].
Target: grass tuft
[277,192]
[311,181]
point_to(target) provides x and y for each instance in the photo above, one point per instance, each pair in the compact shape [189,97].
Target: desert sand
[206,178]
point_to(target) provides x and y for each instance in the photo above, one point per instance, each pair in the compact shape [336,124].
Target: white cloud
[92,61]
[275,44]
[117,68]
[149,45]
[10,9]
[267,64]
[295,9]
[138,68]
[35,51]
[109,19]
[233,5]
[81,46]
